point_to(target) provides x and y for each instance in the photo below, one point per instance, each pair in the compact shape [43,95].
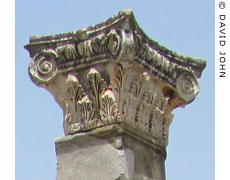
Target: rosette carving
[43,66]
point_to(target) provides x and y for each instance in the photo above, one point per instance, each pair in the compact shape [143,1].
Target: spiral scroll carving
[43,67]
[187,86]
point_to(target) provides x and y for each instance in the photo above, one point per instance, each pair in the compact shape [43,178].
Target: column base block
[113,152]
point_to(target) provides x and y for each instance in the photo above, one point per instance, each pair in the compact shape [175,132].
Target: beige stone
[112,74]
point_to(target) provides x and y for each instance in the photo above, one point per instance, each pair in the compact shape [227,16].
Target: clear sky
[184,26]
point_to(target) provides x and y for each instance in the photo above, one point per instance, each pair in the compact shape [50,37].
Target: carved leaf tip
[109,109]
[92,71]
[71,80]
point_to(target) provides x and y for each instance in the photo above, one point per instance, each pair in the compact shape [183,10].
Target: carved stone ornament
[113,73]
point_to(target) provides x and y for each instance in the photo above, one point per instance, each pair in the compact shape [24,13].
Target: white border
[222,95]
[7,95]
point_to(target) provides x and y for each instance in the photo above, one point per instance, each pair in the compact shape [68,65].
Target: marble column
[117,89]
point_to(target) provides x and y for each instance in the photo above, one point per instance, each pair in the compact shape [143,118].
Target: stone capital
[113,73]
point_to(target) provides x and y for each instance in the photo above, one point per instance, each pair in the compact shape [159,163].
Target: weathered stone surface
[112,72]
[113,75]
[108,155]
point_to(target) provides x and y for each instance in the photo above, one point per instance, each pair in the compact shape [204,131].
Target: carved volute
[112,73]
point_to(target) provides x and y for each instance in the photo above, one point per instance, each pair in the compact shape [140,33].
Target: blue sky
[184,26]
